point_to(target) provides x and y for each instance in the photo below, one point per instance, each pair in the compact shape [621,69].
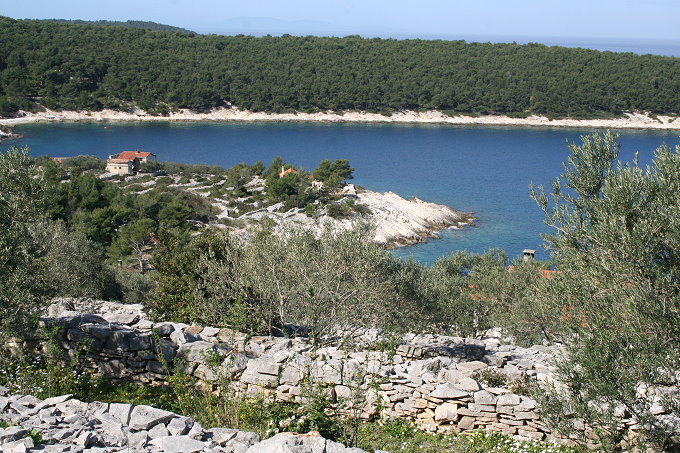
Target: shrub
[491,378]
[294,278]
[135,287]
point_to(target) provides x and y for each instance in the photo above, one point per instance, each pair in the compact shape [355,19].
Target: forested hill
[146,25]
[68,66]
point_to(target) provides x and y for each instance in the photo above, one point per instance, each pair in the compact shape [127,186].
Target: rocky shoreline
[631,120]
[6,132]
[396,221]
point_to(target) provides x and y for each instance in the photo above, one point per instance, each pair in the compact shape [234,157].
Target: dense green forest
[143,24]
[69,66]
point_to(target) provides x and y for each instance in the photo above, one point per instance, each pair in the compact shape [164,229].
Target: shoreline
[631,121]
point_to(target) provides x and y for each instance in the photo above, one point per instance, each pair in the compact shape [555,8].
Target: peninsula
[246,198]
[133,194]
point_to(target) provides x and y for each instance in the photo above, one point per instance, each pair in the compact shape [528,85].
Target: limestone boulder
[196,351]
[178,444]
[300,443]
[446,412]
[146,417]
[448,391]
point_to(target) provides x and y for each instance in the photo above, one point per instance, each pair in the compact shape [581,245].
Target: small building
[128,162]
[285,172]
[120,166]
[529,254]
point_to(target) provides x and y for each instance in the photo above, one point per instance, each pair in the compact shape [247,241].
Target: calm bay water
[474,169]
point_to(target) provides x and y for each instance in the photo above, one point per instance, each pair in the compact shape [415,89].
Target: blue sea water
[483,170]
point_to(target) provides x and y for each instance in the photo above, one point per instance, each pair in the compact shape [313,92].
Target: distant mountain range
[146,25]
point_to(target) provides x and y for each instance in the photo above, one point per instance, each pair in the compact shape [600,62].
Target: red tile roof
[546,273]
[132,155]
[285,172]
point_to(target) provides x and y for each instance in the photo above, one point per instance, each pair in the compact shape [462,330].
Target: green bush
[135,287]
[491,377]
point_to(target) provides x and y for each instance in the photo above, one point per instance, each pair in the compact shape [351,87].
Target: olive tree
[616,246]
[338,281]
[73,266]
[39,258]
[22,203]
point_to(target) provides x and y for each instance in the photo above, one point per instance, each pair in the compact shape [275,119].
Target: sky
[629,19]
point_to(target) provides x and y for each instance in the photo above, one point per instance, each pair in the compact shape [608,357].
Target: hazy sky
[631,19]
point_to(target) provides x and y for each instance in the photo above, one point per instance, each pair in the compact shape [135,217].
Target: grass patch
[398,436]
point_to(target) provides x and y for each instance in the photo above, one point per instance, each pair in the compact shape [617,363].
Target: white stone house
[128,162]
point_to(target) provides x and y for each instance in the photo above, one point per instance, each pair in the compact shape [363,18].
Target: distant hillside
[145,25]
[85,67]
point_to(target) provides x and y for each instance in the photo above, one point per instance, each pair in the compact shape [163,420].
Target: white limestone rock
[143,418]
[448,391]
[178,444]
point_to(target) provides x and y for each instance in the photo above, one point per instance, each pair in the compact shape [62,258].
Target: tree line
[71,66]
[143,24]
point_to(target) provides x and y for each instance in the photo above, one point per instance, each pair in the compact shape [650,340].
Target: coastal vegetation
[609,295]
[86,67]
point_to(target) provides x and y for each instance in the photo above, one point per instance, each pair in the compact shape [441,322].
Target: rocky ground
[441,383]
[397,221]
[64,424]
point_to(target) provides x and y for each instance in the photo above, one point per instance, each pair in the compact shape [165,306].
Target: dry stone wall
[435,381]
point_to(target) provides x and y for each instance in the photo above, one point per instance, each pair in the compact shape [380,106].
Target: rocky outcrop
[404,222]
[64,424]
[397,221]
[6,132]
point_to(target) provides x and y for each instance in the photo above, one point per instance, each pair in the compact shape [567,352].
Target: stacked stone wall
[436,381]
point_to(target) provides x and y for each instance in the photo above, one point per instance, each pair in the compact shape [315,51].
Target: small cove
[485,170]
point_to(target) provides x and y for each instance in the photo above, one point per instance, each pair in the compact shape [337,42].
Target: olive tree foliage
[457,284]
[22,203]
[39,258]
[72,265]
[616,244]
[472,294]
[339,281]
